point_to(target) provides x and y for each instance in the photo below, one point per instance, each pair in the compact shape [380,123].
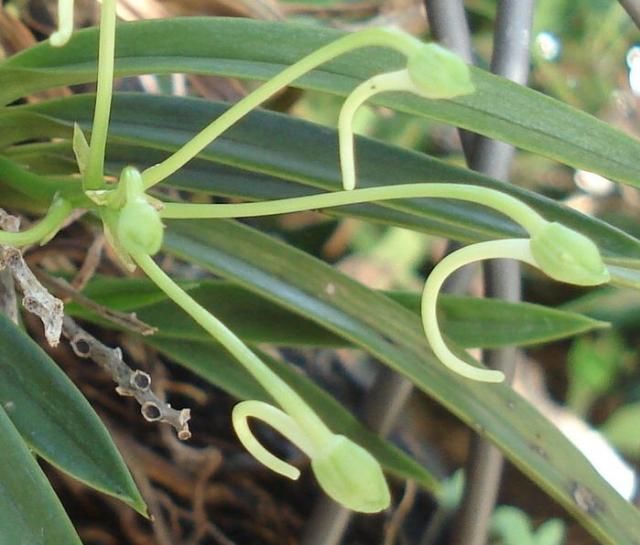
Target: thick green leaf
[30,512]
[394,335]
[214,364]
[56,420]
[301,160]
[258,49]
[489,323]
[621,307]
[468,321]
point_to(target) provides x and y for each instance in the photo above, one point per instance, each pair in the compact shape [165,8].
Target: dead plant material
[134,383]
[15,36]
[90,263]
[125,320]
[36,299]
[394,525]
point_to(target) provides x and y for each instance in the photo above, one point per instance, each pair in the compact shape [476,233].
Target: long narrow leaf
[468,321]
[56,420]
[30,512]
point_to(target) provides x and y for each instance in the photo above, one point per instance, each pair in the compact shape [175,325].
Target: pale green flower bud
[139,227]
[351,476]
[438,73]
[568,256]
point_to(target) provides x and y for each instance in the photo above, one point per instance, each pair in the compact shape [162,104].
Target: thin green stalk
[508,205]
[94,175]
[401,42]
[519,248]
[392,81]
[65,24]
[43,230]
[279,390]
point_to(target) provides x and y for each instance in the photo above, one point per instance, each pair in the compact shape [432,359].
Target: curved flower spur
[348,473]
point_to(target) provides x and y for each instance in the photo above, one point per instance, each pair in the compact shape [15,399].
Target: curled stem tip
[277,419]
[346,472]
[65,24]
[508,248]
[393,81]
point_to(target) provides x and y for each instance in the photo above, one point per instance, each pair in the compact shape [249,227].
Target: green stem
[401,42]
[65,24]
[508,205]
[94,175]
[392,81]
[43,230]
[279,390]
[519,248]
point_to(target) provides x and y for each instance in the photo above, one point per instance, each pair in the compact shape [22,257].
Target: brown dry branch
[90,263]
[127,320]
[36,299]
[16,36]
[134,383]
[393,527]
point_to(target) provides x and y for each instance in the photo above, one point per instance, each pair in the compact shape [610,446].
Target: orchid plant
[132,222]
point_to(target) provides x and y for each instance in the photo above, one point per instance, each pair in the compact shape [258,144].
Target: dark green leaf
[30,512]
[56,420]
[621,307]
[468,321]
[490,323]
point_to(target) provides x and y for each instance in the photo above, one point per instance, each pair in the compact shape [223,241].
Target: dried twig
[90,264]
[135,383]
[36,299]
[126,320]
[400,514]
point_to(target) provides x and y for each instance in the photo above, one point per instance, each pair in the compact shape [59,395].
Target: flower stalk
[44,230]
[65,24]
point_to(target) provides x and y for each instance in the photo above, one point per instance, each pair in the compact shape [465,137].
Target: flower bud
[351,476]
[568,256]
[139,227]
[438,73]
